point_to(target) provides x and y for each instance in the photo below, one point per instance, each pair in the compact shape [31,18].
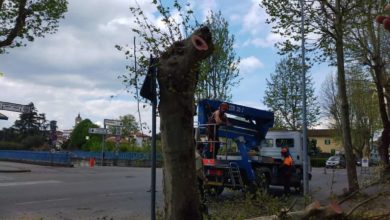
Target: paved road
[105,192]
[324,185]
[76,193]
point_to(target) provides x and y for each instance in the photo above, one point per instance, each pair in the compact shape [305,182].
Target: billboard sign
[7,106]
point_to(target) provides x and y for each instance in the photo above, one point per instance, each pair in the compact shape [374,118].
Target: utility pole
[304,124]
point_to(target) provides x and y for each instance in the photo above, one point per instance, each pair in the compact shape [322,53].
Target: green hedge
[6,145]
[318,162]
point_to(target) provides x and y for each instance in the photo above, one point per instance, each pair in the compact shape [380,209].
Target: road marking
[29,183]
[40,201]
[116,194]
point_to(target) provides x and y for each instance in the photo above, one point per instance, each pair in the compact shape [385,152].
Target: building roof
[142,135]
[321,132]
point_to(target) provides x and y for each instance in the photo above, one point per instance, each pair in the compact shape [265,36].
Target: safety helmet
[223,106]
[284,151]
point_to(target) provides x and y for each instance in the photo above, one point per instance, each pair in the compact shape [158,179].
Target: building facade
[326,140]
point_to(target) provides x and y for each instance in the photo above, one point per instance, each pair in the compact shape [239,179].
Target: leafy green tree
[365,117]
[130,125]
[218,73]
[365,120]
[23,20]
[367,45]
[77,137]
[330,22]
[283,96]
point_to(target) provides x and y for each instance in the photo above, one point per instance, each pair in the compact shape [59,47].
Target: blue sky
[75,70]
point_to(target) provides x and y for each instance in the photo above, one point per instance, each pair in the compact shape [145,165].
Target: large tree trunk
[353,184]
[383,148]
[177,82]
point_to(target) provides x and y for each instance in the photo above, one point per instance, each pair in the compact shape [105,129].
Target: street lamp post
[304,124]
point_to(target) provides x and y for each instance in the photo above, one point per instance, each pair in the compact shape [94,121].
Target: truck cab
[275,140]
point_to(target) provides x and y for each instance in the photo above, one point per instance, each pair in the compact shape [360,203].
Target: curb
[15,171]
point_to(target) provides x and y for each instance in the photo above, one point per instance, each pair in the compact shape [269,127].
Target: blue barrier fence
[64,158]
[60,158]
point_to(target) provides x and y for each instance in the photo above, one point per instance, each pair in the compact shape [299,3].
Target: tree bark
[353,184]
[177,83]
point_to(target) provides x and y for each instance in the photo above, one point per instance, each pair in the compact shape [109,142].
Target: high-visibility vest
[288,161]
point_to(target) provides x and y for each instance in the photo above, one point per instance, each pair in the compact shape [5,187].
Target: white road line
[40,201]
[116,194]
[29,183]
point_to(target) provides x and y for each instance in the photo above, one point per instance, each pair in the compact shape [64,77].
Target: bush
[318,162]
[6,145]
[33,141]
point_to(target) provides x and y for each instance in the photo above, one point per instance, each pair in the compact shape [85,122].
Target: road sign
[365,162]
[7,106]
[112,122]
[98,131]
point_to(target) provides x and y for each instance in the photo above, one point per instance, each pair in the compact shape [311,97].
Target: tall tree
[179,50]
[218,73]
[326,20]
[23,20]
[283,95]
[130,125]
[28,123]
[367,44]
[77,138]
[364,111]
[365,120]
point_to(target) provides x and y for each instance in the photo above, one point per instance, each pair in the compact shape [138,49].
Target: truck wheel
[214,190]
[299,189]
[261,180]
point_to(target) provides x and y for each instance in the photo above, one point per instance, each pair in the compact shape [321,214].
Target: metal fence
[46,157]
[65,158]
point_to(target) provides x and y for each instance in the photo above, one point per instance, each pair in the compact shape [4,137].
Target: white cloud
[268,41]
[206,6]
[63,104]
[249,64]
[254,20]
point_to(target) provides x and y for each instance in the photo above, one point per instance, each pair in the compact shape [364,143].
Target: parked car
[336,161]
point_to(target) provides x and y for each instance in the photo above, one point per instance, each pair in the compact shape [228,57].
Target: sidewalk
[10,167]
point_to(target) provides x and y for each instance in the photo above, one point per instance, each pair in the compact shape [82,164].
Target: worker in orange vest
[286,170]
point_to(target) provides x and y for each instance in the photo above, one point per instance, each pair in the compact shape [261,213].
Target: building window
[327,141]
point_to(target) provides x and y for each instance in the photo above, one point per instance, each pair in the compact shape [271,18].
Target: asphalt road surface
[77,193]
[107,192]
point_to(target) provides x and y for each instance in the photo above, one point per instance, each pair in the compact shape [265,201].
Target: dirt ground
[372,202]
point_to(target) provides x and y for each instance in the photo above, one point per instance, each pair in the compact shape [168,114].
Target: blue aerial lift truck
[239,164]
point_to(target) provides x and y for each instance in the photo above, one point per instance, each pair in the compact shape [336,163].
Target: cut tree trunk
[312,211]
[177,82]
